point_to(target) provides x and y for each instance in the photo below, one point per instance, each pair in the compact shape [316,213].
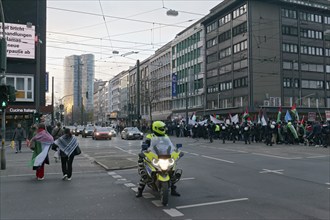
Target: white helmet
[223,127]
[246,128]
[272,126]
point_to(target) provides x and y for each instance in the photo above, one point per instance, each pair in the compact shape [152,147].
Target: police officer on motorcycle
[158,128]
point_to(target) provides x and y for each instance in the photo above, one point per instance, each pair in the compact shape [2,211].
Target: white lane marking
[122,179]
[116,176]
[211,203]
[126,151]
[213,158]
[173,212]
[135,189]
[321,156]
[112,173]
[187,178]
[272,171]
[129,184]
[157,203]
[285,158]
[148,196]
[33,174]
[327,183]
[194,154]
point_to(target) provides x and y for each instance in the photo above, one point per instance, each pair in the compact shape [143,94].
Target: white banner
[216,121]
[20,40]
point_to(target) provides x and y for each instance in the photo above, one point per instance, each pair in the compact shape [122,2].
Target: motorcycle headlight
[130,134]
[163,164]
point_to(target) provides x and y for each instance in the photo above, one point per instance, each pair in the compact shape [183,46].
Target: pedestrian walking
[69,147]
[19,136]
[56,133]
[40,144]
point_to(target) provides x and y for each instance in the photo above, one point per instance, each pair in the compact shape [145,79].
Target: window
[226,86]
[290,48]
[211,27]
[310,17]
[241,82]
[224,20]
[24,86]
[311,67]
[225,69]
[318,51]
[240,64]
[327,68]
[239,11]
[289,83]
[242,28]
[240,46]
[327,52]
[211,43]
[211,58]
[289,13]
[224,36]
[213,88]
[312,84]
[225,52]
[288,65]
[289,30]
[307,33]
[326,20]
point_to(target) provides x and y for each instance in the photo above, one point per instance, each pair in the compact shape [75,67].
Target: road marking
[122,179]
[321,156]
[211,203]
[240,151]
[285,158]
[187,178]
[33,174]
[272,171]
[135,189]
[148,196]
[116,176]
[112,173]
[194,154]
[129,184]
[327,183]
[213,158]
[157,203]
[173,212]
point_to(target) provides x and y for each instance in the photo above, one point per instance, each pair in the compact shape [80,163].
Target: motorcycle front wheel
[164,191]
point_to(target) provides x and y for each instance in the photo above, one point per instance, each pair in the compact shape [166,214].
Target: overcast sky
[79,27]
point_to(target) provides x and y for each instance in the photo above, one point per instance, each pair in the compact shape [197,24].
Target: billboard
[20,40]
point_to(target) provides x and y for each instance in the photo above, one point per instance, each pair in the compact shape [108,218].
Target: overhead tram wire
[121,18]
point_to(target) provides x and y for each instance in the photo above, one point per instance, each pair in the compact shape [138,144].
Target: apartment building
[267,54]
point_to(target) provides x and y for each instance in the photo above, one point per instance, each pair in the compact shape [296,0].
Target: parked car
[72,128]
[131,133]
[88,131]
[101,133]
[78,130]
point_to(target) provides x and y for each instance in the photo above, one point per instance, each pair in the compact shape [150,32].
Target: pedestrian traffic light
[37,117]
[3,96]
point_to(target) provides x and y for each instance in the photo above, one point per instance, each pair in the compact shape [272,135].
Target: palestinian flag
[294,111]
[279,114]
[293,130]
[246,114]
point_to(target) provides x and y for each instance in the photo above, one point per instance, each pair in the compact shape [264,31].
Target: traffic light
[11,92]
[3,54]
[3,96]
[37,117]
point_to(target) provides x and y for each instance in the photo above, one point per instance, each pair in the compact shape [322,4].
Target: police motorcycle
[160,170]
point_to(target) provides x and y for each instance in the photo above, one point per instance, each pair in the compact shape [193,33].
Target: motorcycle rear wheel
[164,191]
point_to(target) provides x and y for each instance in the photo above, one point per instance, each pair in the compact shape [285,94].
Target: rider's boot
[140,191]
[173,191]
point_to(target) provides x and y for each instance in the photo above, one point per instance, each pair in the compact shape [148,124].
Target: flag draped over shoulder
[287,116]
[294,111]
[279,114]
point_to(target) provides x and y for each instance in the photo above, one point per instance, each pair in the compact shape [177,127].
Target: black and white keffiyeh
[67,144]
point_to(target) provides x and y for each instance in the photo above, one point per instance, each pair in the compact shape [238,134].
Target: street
[220,181]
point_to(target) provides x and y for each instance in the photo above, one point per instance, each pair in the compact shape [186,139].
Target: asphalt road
[220,181]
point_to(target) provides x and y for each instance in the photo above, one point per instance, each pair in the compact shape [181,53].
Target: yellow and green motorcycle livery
[160,171]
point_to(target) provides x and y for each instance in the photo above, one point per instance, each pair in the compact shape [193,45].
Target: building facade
[188,71]
[267,54]
[26,61]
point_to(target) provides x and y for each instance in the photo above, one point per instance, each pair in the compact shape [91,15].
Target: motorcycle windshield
[161,146]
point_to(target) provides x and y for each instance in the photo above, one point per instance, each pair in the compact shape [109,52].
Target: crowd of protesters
[307,133]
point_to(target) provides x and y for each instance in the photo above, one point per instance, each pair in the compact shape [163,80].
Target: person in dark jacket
[19,136]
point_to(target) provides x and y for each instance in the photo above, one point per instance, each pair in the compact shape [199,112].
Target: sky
[112,30]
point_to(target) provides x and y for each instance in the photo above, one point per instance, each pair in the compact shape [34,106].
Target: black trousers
[67,165]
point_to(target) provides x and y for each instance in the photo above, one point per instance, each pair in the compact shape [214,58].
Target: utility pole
[138,93]
[3,67]
[53,101]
